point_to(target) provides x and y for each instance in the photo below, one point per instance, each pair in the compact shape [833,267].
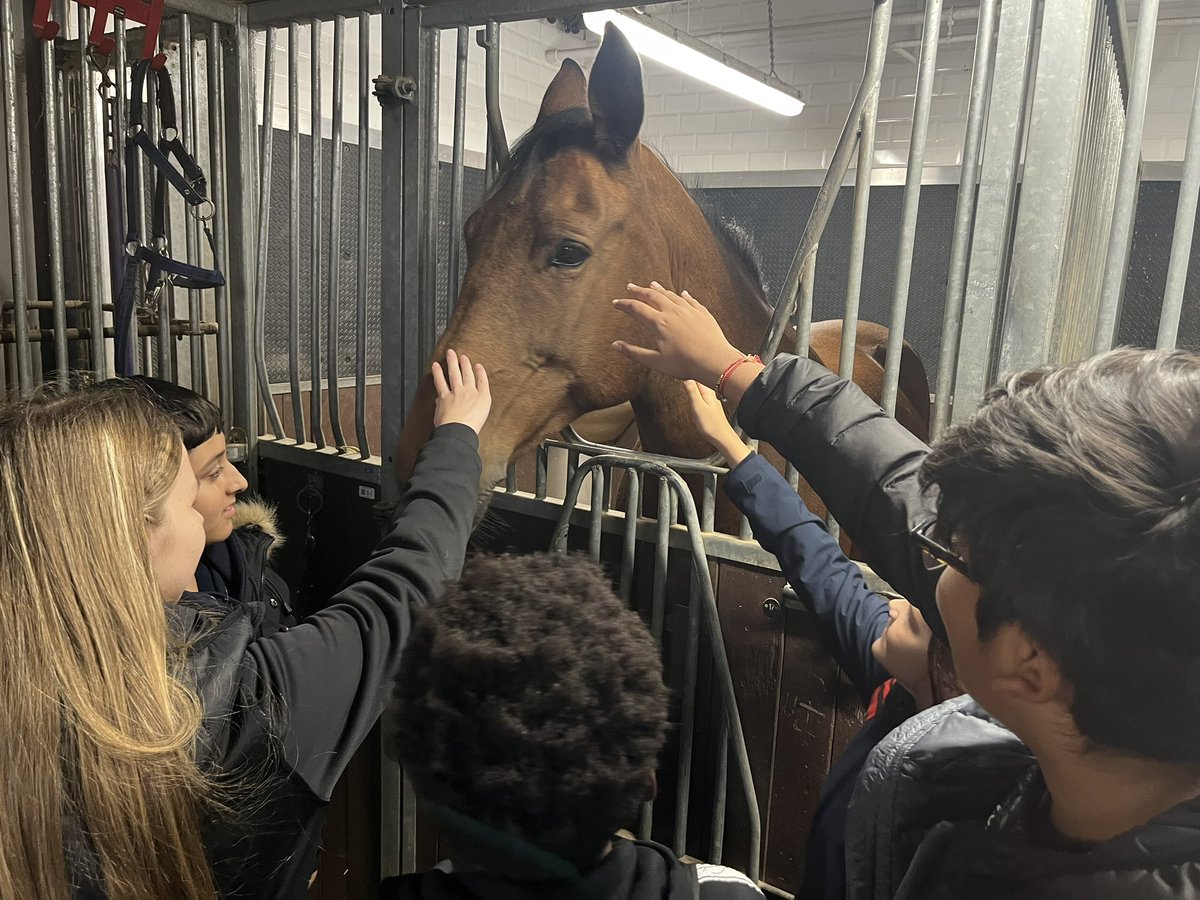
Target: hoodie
[633,870]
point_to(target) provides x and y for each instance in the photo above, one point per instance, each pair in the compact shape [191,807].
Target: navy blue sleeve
[852,615]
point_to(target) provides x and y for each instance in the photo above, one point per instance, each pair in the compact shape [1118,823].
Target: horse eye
[569,255]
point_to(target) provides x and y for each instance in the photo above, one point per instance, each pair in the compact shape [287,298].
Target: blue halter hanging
[189,181]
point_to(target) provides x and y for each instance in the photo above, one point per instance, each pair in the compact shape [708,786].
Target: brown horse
[582,208]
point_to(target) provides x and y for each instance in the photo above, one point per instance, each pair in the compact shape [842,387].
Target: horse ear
[568,90]
[615,93]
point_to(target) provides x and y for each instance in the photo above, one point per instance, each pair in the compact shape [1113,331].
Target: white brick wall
[705,130]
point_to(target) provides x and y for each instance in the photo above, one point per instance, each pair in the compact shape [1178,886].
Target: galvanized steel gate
[1027,284]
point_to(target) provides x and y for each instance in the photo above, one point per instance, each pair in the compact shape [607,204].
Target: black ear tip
[569,65]
[612,32]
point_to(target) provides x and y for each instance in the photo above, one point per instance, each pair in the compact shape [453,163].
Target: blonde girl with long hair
[152,747]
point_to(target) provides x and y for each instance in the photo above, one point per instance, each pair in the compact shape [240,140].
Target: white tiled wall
[702,130]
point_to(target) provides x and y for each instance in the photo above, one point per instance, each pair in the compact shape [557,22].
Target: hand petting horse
[581,209]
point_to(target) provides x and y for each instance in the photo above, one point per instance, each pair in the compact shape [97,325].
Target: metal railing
[674,497]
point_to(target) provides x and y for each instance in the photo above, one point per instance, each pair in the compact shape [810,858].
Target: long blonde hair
[100,724]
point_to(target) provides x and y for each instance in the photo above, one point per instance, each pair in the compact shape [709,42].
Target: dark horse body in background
[582,208]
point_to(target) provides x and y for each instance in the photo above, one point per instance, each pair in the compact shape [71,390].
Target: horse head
[580,209]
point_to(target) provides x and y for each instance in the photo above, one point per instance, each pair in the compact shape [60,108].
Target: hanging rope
[771,34]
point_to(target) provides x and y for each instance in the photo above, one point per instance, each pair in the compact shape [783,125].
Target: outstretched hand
[463,394]
[708,413]
[685,340]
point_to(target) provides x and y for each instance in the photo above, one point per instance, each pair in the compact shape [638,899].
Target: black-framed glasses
[936,555]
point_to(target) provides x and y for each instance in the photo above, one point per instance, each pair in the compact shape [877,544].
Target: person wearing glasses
[1063,521]
[896,663]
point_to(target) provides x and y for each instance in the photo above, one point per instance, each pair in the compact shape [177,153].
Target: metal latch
[395,89]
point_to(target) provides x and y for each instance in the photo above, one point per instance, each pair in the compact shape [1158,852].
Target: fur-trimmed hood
[254,512]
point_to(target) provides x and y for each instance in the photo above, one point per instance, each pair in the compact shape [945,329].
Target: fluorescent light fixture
[681,52]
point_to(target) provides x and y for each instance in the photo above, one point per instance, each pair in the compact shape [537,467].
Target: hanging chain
[771,33]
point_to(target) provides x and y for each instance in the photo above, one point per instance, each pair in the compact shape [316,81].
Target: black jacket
[952,764]
[240,566]
[860,461]
[284,713]
[634,870]
[952,805]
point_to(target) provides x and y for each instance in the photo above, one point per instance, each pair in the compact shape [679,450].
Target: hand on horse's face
[685,340]
[464,397]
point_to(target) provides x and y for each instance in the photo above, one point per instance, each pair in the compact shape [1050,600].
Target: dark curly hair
[531,702]
[1076,493]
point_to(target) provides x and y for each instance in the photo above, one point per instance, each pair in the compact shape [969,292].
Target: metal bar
[115,157]
[912,202]
[541,463]
[93,243]
[58,291]
[720,792]
[38,335]
[658,591]
[141,217]
[629,538]
[964,215]
[804,309]
[9,305]
[240,172]
[216,177]
[163,345]
[858,235]
[1120,238]
[1039,262]
[403,170]
[481,12]
[431,78]
[363,237]
[332,324]
[1185,223]
[131,217]
[317,430]
[708,502]
[187,86]
[298,430]
[264,236]
[687,720]
[510,477]
[457,167]
[597,512]
[876,53]
[991,237]
[497,140]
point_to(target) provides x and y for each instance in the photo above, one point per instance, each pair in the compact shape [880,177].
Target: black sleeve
[860,460]
[321,686]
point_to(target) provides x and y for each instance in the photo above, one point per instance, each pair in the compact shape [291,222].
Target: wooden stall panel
[754,641]
[807,712]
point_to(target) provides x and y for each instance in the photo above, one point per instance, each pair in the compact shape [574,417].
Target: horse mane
[572,128]
[735,236]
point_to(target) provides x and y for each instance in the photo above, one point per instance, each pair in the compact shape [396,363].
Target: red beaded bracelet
[733,366]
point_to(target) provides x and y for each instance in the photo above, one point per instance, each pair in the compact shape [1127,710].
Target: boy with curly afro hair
[531,715]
